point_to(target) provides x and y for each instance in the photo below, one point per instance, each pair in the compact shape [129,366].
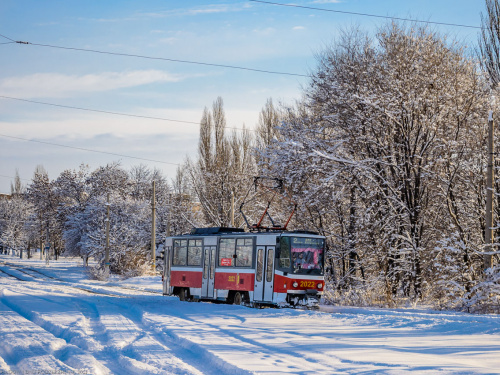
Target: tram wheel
[238,299]
[182,294]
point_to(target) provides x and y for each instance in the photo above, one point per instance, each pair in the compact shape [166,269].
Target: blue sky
[239,33]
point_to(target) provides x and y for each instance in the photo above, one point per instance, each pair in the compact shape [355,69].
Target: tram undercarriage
[309,300]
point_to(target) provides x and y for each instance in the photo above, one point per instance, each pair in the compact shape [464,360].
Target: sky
[236,33]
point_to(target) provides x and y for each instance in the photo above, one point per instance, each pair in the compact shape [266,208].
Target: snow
[53,319]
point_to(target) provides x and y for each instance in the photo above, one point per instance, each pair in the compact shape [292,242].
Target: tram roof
[239,231]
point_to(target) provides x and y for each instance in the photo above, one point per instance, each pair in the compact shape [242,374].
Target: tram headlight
[295,284]
[320,285]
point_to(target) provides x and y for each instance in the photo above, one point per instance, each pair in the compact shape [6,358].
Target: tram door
[264,274]
[207,285]
[166,270]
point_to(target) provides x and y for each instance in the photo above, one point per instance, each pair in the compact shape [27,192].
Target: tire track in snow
[190,354]
[123,364]
[57,281]
[74,339]
[81,349]
[134,347]
[9,274]
[200,335]
[85,343]
[195,353]
[30,346]
[184,348]
[65,282]
[111,351]
[300,360]
[181,348]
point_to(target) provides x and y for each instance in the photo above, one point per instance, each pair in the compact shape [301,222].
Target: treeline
[69,213]
[385,154]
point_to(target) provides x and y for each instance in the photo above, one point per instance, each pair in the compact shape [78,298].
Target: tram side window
[244,247]
[180,253]
[187,252]
[194,253]
[284,255]
[235,252]
[226,252]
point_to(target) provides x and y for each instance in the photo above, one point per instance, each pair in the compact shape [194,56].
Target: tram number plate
[231,278]
[307,284]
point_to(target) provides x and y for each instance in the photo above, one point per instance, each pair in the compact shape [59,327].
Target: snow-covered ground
[53,319]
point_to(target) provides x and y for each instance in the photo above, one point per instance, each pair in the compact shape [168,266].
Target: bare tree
[489,41]
[17,187]
[383,153]
[224,166]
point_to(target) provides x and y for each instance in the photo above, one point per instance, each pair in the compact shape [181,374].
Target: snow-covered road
[54,320]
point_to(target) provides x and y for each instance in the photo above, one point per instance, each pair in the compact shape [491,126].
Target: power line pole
[153,229]
[106,255]
[232,209]
[488,237]
[47,245]
[41,239]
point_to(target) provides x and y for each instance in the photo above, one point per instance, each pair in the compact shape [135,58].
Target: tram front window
[307,255]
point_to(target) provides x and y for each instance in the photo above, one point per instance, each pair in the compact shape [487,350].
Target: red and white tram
[278,268]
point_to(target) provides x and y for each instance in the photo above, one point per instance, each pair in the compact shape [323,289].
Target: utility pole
[488,237]
[41,240]
[47,245]
[167,258]
[153,229]
[232,209]
[106,255]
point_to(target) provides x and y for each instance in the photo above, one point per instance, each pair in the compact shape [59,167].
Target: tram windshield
[304,255]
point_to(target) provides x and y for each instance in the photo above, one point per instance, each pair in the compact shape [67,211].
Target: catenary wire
[24,179]
[366,14]
[155,58]
[113,113]
[6,37]
[164,59]
[98,110]
[87,149]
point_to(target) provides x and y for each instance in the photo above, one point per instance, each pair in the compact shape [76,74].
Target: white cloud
[56,85]
[298,28]
[265,31]
[169,40]
[326,1]
[193,11]
[209,9]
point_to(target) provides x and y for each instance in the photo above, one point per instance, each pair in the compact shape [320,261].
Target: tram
[273,267]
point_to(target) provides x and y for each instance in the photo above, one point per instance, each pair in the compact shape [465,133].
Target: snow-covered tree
[225,166]
[15,213]
[41,194]
[382,154]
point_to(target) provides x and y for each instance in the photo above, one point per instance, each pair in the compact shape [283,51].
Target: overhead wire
[12,41]
[87,149]
[24,179]
[365,14]
[115,113]
[98,110]
[6,37]
[106,112]
[203,63]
